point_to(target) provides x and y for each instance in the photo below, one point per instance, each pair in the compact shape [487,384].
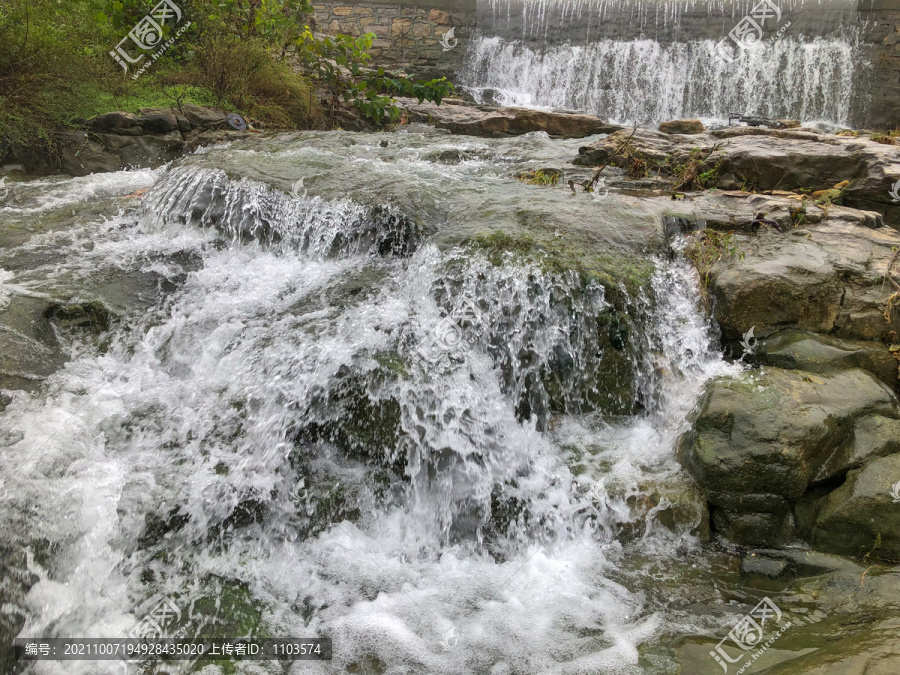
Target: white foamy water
[642,80]
[438,527]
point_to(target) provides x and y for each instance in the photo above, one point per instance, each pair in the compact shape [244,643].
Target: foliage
[540,177]
[690,175]
[340,64]
[56,69]
[241,73]
[707,247]
[886,139]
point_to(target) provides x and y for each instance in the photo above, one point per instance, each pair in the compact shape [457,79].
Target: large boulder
[494,121]
[761,439]
[828,277]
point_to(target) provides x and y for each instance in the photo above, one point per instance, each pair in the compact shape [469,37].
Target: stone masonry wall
[408,34]
[883,87]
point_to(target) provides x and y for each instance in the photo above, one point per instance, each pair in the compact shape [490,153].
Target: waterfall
[647,81]
[266,445]
[633,61]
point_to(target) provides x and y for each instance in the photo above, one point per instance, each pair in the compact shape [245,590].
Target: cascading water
[644,80]
[266,445]
[639,62]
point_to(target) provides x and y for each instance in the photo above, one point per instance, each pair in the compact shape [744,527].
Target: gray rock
[774,159]
[115,122]
[158,120]
[827,278]
[861,517]
[873,436]
[201,117]
[81,156]
[761,438]
[29,350]
[801,350]
[756,565]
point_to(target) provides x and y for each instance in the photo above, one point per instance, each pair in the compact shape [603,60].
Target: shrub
[241,73]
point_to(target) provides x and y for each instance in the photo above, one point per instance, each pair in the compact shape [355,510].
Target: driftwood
[593,181]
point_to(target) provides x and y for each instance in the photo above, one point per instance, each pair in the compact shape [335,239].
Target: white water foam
[195,408]
[645,81]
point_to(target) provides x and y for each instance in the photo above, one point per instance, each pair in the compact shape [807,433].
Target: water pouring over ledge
[262,442]
[649,62]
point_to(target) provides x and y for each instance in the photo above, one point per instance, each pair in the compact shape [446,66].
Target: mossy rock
[563,252]
[93,316]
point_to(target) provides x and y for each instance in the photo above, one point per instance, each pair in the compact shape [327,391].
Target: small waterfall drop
[649,62]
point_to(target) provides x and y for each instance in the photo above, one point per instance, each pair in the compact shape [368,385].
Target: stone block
[364,11]
[342,11]
[400,26]
[421,29]
[439,17]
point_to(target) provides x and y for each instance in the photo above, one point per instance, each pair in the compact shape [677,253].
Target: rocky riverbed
[676,394]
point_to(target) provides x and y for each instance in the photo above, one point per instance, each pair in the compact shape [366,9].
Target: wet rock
[814,353]
[761,438]
[653,146]
[29,350]
[861,516]
[826,278]
[774,159]
[678,507]
[144,150]
[682,127]
[873,652]
[759,566]
[202,117]
[91,315]
[5,400]
[81,156]
[495,121]
[873,436]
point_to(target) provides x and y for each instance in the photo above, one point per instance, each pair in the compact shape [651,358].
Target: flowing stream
[278,433]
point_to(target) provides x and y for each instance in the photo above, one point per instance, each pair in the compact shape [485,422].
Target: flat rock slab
[495,121]
[773,159]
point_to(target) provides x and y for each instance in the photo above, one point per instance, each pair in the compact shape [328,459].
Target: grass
[707,247]
[540,177]
[56,72]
